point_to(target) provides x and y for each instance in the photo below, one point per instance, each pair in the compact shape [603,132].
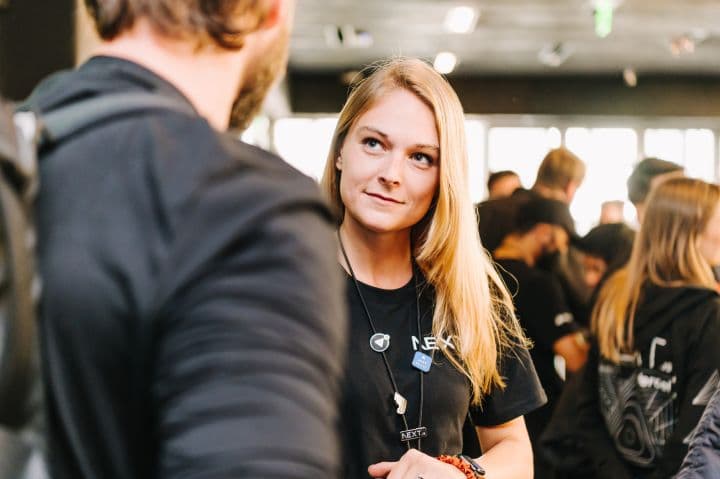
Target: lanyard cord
[374,331]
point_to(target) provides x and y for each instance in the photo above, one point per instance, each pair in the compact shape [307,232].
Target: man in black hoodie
[192,323]
[543,227]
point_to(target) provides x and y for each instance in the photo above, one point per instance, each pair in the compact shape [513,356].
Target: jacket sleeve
[599,445]
[249,351]
[702,360]
[703,457]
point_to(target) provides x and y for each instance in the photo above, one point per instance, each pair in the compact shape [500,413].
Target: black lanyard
[419,431]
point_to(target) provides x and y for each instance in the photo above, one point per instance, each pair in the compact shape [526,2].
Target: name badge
[422,361]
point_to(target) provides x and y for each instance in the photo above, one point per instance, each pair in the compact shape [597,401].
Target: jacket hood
[660,305]
[98,75]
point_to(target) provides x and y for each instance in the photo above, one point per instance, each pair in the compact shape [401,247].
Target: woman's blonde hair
[472,303]
[665,253]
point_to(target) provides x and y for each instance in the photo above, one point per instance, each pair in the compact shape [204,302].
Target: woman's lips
[384,198]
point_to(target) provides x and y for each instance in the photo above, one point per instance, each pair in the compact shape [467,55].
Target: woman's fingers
[381,469]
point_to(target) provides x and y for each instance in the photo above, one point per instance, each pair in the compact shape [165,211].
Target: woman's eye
[424,159]
[372,143]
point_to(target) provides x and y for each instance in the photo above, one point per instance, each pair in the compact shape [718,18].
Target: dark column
[37,37]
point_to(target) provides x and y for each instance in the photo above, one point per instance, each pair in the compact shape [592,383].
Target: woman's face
[389,164]
[709,240]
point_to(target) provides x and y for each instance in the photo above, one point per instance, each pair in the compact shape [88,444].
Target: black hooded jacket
[703,457]
[637,419]
[192,319]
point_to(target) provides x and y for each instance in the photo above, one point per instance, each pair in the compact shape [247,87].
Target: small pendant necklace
[379,343]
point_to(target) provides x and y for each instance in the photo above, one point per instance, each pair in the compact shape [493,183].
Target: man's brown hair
[223,23]
[559,168]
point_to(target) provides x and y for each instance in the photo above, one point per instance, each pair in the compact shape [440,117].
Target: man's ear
[542,230]
[278,11]
[570,191]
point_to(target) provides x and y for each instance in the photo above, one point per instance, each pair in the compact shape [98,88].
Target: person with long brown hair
[433,336]
[657,323]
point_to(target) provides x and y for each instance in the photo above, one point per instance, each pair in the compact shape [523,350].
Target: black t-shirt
[192,320]
[370,425]
[543,314]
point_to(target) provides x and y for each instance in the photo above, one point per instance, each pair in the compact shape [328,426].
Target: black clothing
[192,323]
[677,332]
[703,457]
[496,218]
[499,217]
[371,427]
[543,313]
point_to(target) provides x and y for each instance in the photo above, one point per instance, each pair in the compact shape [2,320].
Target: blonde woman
[657,323]
[433,335]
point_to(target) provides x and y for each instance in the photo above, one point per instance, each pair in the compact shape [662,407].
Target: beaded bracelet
[466,465]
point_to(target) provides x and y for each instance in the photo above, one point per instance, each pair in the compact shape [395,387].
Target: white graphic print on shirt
[637,403]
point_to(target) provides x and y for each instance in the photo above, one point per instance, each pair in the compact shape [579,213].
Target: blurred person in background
[192,322]
[501,184]
[606,248]
[657,329]
[543,226]
[612,212]
[647,174]
[560,174]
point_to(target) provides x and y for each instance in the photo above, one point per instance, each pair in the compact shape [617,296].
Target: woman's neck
[380,260]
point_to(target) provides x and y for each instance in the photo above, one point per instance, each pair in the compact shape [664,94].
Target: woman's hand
[415,465]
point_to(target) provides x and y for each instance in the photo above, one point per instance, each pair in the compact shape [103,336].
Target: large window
[609,155]
[693,148]
[520,150]
[305,142]
[495,143]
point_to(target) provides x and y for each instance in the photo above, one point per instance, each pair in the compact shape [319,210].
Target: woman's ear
[338,162]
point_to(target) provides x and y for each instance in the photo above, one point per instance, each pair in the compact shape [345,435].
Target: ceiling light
[603,18]
[445,62]
[461,19]
[630,77]
[554,54]
[346,36]
[682,45]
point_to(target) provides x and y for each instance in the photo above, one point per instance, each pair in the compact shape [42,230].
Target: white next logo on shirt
[430,343]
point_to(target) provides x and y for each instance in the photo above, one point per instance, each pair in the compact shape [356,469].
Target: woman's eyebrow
[376,131]
[386,138]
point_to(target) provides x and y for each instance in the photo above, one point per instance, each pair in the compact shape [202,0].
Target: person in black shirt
[648,173]
[657,322]
[542,227]
[192,322]
[559,176]
[433,335]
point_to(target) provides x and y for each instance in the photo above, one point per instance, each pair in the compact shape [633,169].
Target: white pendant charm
[401,403]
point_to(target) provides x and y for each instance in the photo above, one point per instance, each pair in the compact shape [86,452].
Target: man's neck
[209,78]
[551,193]
[515,247]
[380,260]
